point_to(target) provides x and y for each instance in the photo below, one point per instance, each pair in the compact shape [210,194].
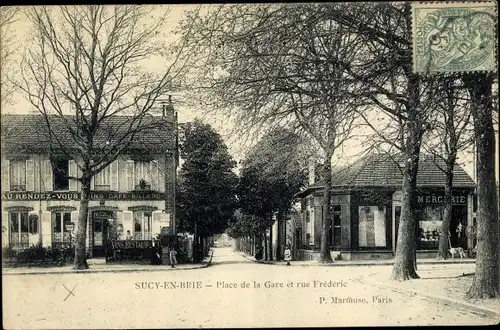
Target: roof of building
[30,132]
[383,170]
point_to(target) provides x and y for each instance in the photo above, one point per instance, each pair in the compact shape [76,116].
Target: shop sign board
[74,196]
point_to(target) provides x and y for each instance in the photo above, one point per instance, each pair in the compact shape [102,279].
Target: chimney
[168,108]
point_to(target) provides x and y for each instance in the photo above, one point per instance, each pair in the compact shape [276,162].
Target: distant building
[135,194]
[366,205]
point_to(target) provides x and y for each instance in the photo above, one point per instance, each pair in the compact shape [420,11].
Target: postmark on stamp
[453,37]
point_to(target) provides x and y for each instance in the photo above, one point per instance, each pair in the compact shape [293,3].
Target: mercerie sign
[71,196]
[457,200]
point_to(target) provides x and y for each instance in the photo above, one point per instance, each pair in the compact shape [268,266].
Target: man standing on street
[288,255]
[173,257]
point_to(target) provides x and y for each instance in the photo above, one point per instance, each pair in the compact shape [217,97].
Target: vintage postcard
[249,165]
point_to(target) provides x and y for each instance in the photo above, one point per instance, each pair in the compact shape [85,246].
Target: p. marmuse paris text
[354,300]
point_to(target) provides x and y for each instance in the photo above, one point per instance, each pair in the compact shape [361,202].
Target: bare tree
[388,83]
[269,65]
[8,15]
[486,278]
[451,132]
[83,74]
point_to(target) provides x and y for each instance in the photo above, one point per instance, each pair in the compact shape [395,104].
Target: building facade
[366,209]
[132,198]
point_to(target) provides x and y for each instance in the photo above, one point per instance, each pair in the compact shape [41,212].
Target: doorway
[100,226]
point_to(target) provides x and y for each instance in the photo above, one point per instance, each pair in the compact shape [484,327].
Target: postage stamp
[453,37]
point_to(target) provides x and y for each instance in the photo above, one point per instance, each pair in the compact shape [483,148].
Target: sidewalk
[445,284]
[443,281]
[337,263]
[104,268]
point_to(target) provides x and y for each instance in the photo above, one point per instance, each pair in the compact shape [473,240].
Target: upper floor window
[60,169]
[17,175]
[142,176]
[102,180]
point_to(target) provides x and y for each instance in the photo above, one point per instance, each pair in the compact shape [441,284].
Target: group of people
[156,256]
[287,254]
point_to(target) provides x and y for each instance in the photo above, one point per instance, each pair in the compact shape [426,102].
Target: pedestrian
[258,254]
[288,255]
[173,257]
[129,236]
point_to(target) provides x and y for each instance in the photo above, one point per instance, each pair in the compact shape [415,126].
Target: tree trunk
[195,242]
[279,219]
[265,246]
[325,256]
[80,261]
[486,278]
[445,226]
[271,242]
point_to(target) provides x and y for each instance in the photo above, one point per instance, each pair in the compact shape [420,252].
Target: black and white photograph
[250,165]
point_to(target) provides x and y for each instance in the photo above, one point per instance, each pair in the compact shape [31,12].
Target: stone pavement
[99,266]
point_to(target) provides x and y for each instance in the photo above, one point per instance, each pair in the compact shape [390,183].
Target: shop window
[59,222]
[430,222]
[102,180]
[20,228]
[308,239]
[17,175]
[142,176]
[60,168]
[372,226]
[142,225]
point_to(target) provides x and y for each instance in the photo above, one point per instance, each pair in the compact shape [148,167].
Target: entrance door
[100,227]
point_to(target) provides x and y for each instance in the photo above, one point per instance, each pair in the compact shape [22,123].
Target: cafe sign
[74,196]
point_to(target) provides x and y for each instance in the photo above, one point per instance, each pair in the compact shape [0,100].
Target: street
[232,292]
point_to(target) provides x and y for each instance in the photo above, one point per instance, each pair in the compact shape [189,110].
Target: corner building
[134,193]
[366,209]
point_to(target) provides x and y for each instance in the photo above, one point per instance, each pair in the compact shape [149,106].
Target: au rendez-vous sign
[71,196]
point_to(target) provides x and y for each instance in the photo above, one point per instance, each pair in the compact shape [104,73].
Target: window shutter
[5,175]
[74,219]
[92,183]
[46,223]
[154,174]
[114,176]
[5,224]
[157,217]
[30,175]
[130,175]
[47,182]
[73,171]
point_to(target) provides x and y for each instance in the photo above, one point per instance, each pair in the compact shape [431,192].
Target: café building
[366,209]
[134,196]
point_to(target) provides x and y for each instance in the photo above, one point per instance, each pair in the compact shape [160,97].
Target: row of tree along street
[319,70]
[323,70]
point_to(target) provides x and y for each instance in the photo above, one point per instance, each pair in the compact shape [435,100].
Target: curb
[351,263]
[104,270]
[449,301]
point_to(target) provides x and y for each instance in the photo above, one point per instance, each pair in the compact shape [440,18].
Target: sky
[237,147]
